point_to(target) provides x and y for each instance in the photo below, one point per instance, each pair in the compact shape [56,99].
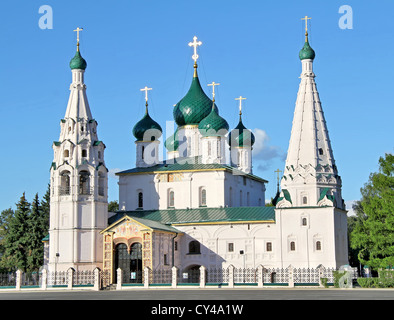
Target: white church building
[202,206]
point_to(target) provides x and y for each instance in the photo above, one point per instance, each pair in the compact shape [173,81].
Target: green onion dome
[78,62]
[194,106]
[147,129]
[307,52]
[213,125]
[240,136]
[172,143]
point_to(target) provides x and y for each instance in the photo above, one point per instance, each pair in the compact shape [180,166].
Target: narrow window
[269,246]
[140,200]
[101,184]
[84,153]
[240,198]
[99,155]
[231,247]
[165,260]
[171,199]
[292,246]
[304,200]
[318,245]
[304,221]
[320,151]
[142,152]
[66,153]
[203,197]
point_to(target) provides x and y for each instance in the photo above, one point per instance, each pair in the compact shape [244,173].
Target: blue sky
[249,47]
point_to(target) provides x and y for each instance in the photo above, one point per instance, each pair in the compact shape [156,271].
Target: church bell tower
[79,183]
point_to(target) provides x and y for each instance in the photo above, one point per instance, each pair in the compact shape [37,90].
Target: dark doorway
[129,263]
[136,263]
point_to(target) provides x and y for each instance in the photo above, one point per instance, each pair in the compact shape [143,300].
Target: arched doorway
[190,274]
[129,262]
[136,263]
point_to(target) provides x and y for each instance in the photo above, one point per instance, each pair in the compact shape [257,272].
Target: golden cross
[240,103]
[146,89]
[195,44]
[278,171]
[78,30]
[213,84]
[306,18]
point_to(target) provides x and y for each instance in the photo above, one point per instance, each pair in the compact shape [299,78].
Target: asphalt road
[205,294]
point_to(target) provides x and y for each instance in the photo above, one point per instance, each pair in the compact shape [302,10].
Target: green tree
[373,231]
[5,217]
[35,254]
[16,240]
[113,206]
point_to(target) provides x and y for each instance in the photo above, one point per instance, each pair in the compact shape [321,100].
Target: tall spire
[310,167]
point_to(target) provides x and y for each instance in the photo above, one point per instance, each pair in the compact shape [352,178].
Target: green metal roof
[147,129]
[213,125]
[307,52]
[200,215]
[78,62]
[188,164]
[194,106]
[240,136]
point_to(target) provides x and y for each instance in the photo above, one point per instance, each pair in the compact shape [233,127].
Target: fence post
[202,277]
[44,279]
[174,277]
[260,270]
[96,279]
[18,279]
[320,270]
[291,276]
[231,276]
[119,279]
[70,276]
[146,277]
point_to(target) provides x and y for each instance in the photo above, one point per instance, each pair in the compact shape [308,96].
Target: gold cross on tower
[146,89]
[78,30]
[278,171]
[195,44]
[240,103]
[306,18]
[213,84]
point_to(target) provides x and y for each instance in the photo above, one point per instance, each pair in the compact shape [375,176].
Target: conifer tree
[35,252]
[17,237]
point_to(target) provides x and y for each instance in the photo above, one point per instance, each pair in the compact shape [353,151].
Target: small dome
[147,129]
[78,62]
[194,106]
[172,142]
[213,125]
[240,136]
[307,52]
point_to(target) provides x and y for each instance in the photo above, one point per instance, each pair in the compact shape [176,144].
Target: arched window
[101,179]
[171,198]
[203,197]
[318,245]
[194,247]
[140,200]
[84,182]
[304,200]
[304,221]
[64,183]
[66,153]
[292,246]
